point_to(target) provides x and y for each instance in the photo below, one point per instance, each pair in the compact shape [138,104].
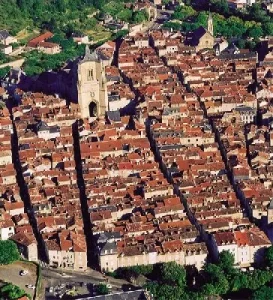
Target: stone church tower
[210,24]
[91,86]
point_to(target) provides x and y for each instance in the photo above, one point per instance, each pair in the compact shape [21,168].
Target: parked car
[23,272]
[30,286]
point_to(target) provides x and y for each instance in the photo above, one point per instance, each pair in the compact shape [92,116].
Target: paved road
[10,273]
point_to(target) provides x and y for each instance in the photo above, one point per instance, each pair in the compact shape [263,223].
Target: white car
[23,272]
[30,286]
[109,286]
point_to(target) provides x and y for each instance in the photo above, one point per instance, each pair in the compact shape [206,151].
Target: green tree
[220,6]
[226,261]
[241,43]
[140,16]
[4,72]
[102,289]
[217,282]
[202,19]
[125,15]
[142,269]
[264,293]
[239,281]
[255,32]
[10,291]
[269,257]
[8,252]
[172,25]
[173,274]
[183,12]
[165,291]
[257,13]
[121,33]
[258,278]
[267,28]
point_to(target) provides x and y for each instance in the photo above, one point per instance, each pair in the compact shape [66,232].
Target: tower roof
[88,56]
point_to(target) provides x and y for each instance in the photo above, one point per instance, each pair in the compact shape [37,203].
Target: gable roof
[196,35]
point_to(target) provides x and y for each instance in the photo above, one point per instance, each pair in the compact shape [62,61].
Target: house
[47,132]
[6,229]
[66,249]
[41,43]
[157,2]
[39,39]
[6,49]
[247,114]
[268,4]
[80,38]
[113,256]
[247,245]
[49,48]
[27,245]
[240,4]
[6,38]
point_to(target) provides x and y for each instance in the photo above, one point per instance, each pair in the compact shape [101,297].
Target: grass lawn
[99,34]
[25,35]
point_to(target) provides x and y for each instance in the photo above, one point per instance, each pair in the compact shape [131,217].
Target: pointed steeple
[87,50]
[210,24]
[88,56]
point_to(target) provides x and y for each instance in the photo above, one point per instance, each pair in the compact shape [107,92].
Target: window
[90,75]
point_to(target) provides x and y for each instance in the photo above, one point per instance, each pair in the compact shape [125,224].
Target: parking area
[73,289]
[69,289]
[11,273]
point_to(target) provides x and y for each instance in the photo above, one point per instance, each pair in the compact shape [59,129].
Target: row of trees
[170,281]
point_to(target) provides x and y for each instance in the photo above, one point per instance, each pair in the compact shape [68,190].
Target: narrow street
[91,257]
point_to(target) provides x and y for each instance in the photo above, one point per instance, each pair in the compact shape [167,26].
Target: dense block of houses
[193,164]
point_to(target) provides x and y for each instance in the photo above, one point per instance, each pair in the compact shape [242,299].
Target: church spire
[210,24]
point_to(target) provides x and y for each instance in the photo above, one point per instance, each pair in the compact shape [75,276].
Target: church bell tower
[210,24]
[92,95]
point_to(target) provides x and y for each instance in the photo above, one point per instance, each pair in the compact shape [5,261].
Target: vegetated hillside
[63,15]
[16,15]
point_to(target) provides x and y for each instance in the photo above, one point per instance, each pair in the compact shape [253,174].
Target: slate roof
[4,34]
[90,56]
[114,115]
[196,35]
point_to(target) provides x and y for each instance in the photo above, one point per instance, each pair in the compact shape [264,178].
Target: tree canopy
[8,252]
[269,257]
[102,289]
[10,291]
